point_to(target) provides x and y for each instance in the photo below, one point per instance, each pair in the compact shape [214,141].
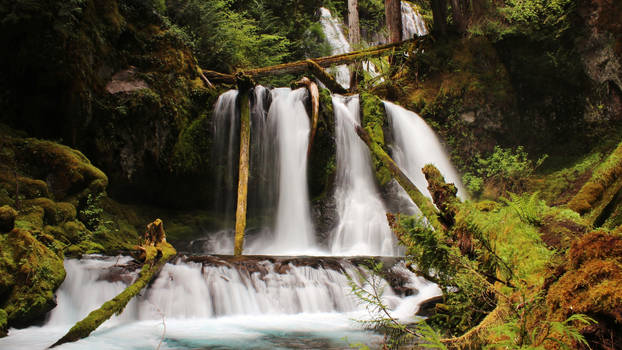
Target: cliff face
[111,78]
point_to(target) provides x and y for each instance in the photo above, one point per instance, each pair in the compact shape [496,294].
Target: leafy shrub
[505,168]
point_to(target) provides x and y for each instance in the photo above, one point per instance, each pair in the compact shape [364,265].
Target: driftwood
[424,204]
[314,93]
[155,258]
[303,65]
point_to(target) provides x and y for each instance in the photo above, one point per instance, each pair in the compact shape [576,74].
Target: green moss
[30,272]
[603,186]
[3,323]
[190,154]
[374,121]
[322,158]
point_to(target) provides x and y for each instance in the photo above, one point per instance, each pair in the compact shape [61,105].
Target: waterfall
[412,22]
[363,228]
[289,124]
[333,30]
[226,130]
[221,304]
[415,145]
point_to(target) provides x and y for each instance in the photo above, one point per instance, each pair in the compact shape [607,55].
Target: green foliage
[224,39]
[506,168]
[91,212]
[368,286]
[515,335]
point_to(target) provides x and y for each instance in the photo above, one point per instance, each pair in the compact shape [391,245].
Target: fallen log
[326,79]
[156,256]
[424,204]
[303,65]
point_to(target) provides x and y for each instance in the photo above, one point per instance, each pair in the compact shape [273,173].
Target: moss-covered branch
[326,79]
[424,204]
[303,65]
[156,257]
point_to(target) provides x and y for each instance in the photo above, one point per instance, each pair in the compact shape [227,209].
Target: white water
[333,30]
[293,230]
[226,130]
[412,22]
[363,228]
[216,306]
[415,145]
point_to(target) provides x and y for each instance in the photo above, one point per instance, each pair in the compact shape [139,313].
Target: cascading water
[289,123]
[412,22]
[333,30]
[226,144]
[263,304]
[363,228]
[415,145]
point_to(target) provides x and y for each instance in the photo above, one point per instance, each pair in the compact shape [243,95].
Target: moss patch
[30,272]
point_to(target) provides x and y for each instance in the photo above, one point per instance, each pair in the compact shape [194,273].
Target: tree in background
[393,15]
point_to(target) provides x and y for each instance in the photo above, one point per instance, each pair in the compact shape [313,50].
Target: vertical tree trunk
[459,12]
[354,30]
[393,16]
[439,12]
[245,136]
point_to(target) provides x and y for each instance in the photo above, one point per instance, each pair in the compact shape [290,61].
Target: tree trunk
[245,136]
[459,11]
[354,31]
[393,16]
[439,12]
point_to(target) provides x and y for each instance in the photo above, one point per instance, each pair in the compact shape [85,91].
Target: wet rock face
[600,49]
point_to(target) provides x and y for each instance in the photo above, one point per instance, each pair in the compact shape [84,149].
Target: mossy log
[424,204]
[601,189]
[245,135]
[326,79]
[155,258]
[303,65]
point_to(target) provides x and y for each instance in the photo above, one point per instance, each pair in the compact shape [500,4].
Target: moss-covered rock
[592,285]
[30,272]
[600,189]
[7,218]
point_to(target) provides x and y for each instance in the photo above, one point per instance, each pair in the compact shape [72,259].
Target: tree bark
[424,204]
[303,65]
[245,135]
[459,11]
[354,30]
[439,12]
[393,17]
